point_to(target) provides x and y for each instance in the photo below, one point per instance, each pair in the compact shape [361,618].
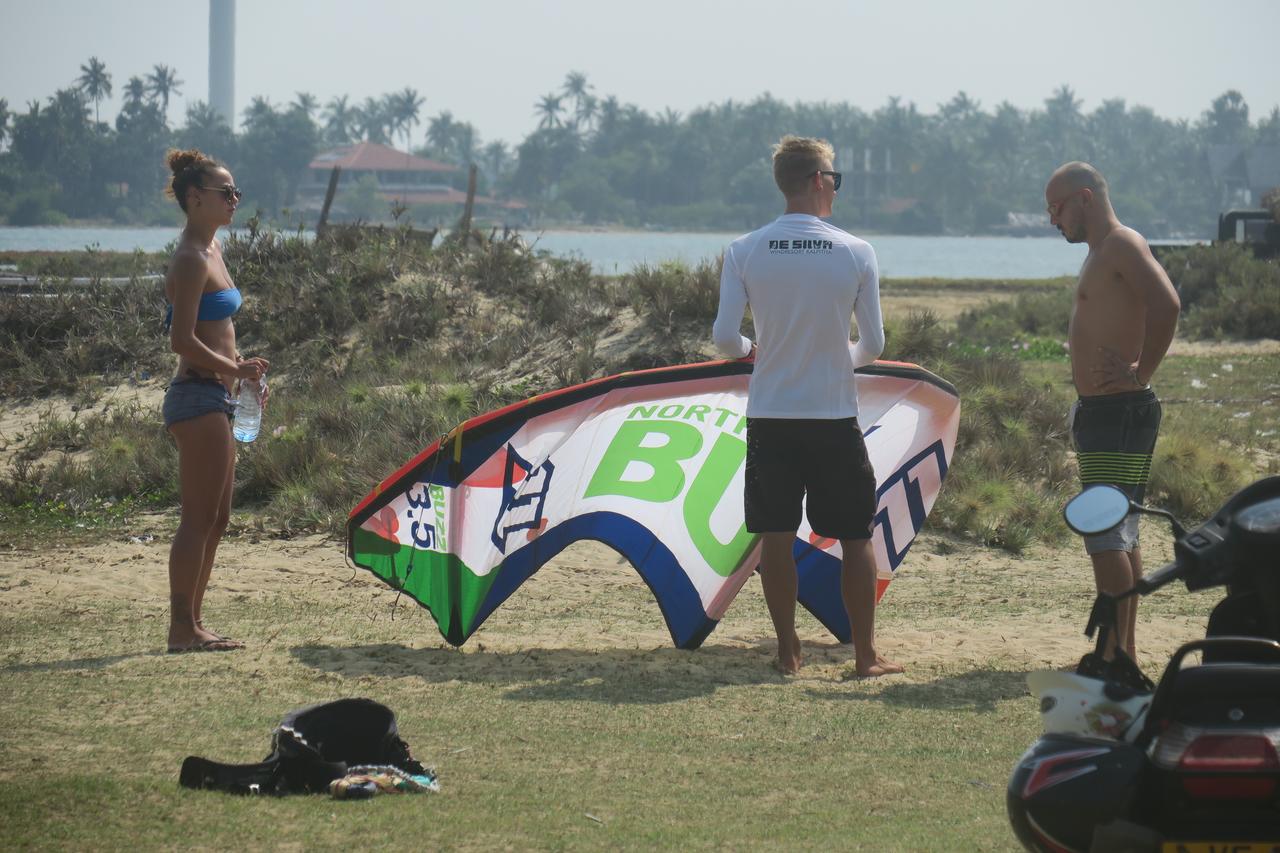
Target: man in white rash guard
[803,278]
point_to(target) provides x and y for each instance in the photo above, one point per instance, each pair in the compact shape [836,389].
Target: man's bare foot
[879,666]
[789,659]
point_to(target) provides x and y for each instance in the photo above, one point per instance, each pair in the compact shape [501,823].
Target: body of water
[616,252]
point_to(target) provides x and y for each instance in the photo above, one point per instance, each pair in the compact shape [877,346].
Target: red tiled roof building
[401,177]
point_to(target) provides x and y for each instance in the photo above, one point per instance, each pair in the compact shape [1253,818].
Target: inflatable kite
[650,463]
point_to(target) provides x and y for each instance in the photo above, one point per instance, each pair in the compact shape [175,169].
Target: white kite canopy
[650,463]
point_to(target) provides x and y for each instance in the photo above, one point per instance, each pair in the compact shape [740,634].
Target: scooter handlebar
[1160,577]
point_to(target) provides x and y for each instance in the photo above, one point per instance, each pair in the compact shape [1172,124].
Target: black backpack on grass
[310,748]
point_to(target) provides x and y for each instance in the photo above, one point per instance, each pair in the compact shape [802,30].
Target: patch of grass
[1220,430]
[980,285]
[54,522]
[1011,471]
[89,263]
[541,745]
[94,457]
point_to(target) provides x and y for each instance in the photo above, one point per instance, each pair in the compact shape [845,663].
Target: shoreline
[618,251]
[570,228]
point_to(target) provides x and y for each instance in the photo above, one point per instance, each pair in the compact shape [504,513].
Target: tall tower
[222,59]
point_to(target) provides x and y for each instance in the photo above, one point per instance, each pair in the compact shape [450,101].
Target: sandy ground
[952,605]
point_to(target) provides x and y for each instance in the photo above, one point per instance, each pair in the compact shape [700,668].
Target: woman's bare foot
[200,627]
[879,666]
[199,639]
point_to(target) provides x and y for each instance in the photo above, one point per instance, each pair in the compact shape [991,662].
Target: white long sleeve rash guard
[804,279]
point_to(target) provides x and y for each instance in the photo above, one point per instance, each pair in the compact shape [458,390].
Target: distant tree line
[596,160]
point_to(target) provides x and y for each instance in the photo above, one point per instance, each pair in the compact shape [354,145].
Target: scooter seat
[1206,694]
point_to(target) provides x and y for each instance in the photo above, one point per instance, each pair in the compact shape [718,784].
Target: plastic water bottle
[249,411]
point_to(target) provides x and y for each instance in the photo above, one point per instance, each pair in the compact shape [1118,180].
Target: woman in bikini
[198,404]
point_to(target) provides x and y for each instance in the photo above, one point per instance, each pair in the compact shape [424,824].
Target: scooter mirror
[1096,510]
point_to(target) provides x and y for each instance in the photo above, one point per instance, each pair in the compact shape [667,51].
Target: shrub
[1226,292]
[54,341]
[673,292]
[35,207]
[1191,477]
[919,338]
[1039,314]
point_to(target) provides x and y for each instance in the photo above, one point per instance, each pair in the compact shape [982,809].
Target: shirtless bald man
[1122,323]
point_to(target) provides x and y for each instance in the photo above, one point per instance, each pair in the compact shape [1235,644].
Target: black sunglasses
[231,193]
[835,178]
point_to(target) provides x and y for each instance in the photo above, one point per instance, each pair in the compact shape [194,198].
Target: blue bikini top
[215,305]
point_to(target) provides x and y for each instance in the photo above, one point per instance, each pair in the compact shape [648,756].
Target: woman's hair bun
[187,167]
[180,160]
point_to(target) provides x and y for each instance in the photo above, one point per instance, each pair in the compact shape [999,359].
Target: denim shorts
[190,398]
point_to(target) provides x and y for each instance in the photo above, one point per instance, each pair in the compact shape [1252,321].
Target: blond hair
[796,158]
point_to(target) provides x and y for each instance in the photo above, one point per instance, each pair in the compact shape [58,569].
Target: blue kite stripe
[675,593]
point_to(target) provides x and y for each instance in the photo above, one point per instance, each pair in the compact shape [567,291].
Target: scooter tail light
[1196,750]
[1231,753]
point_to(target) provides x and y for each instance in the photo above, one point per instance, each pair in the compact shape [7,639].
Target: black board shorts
[825,460]
[1114,437]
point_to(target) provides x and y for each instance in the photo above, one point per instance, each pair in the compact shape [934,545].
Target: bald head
[1073,176]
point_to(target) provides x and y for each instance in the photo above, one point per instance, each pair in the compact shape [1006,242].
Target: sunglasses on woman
[230,193]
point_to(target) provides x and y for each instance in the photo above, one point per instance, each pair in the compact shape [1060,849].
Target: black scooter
[1190,764]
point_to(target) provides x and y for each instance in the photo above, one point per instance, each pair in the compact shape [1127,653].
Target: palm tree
[1268,128]
[549,108]
[1109,133]
[577,87]
[585,111]
[960,108]
[134,91]
[258,110]
[95,82]
[495,158]
[162,83]
[372,120]
[464,142]
[1227,119]
[306,102]
[69,104]
[339,119]
[403,107]
[203,118]
[1062,119]
[575,84]
[440,133]
[608,122]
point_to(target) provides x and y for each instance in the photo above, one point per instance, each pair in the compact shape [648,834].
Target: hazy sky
[489,61]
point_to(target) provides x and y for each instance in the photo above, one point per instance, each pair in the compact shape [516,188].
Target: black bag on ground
[310,748]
